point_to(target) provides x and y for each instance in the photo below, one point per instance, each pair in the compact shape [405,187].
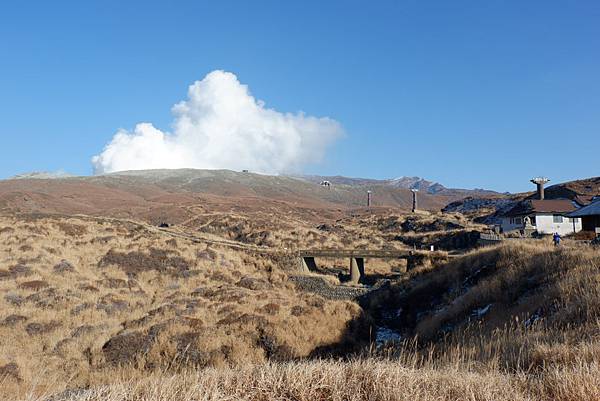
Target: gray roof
[589,210]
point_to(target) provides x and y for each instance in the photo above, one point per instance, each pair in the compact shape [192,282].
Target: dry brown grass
[353,381]
[522,307]
[87,294]
[123,312]
[559,285]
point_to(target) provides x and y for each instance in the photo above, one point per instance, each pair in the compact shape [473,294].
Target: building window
[557,218]
[518,220]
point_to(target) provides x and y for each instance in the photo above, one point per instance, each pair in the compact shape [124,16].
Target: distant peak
[406,177]
[417,183]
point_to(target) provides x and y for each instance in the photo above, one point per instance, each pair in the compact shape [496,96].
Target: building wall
[508,224]
[545,224]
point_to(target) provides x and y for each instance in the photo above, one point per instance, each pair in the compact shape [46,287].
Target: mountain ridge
[143,193]
[404,182]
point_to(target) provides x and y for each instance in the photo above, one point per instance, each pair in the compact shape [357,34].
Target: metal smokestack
[415,204]
[539,182]
[368,198]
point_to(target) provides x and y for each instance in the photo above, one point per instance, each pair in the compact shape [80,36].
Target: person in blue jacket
[556,239]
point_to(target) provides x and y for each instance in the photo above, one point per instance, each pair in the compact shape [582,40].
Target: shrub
[161,260]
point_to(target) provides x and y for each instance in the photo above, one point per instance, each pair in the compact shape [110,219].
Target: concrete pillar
[414,200]
[357,269]
[307,264]
[539,182]
[540,190]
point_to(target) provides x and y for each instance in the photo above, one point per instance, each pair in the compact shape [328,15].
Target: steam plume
[221,125]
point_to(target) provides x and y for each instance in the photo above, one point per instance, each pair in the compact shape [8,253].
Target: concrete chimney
[368,198]
[415,204]
[539,182]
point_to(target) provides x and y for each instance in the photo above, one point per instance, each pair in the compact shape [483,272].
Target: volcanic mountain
[167,193]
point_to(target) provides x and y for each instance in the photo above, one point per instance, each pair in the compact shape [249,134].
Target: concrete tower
[539,182]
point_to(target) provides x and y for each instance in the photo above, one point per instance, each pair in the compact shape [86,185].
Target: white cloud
[221,125]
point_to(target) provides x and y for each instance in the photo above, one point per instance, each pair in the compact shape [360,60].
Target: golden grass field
[366,379]
[96,308]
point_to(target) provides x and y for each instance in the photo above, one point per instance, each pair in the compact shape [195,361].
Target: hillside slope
[168,192]
[515,322]
[486,208]
[82,295]
[581,191]
[527,297]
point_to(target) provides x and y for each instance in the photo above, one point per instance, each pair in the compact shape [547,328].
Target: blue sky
[467,93]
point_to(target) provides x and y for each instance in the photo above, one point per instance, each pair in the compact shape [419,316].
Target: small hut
[590,216]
